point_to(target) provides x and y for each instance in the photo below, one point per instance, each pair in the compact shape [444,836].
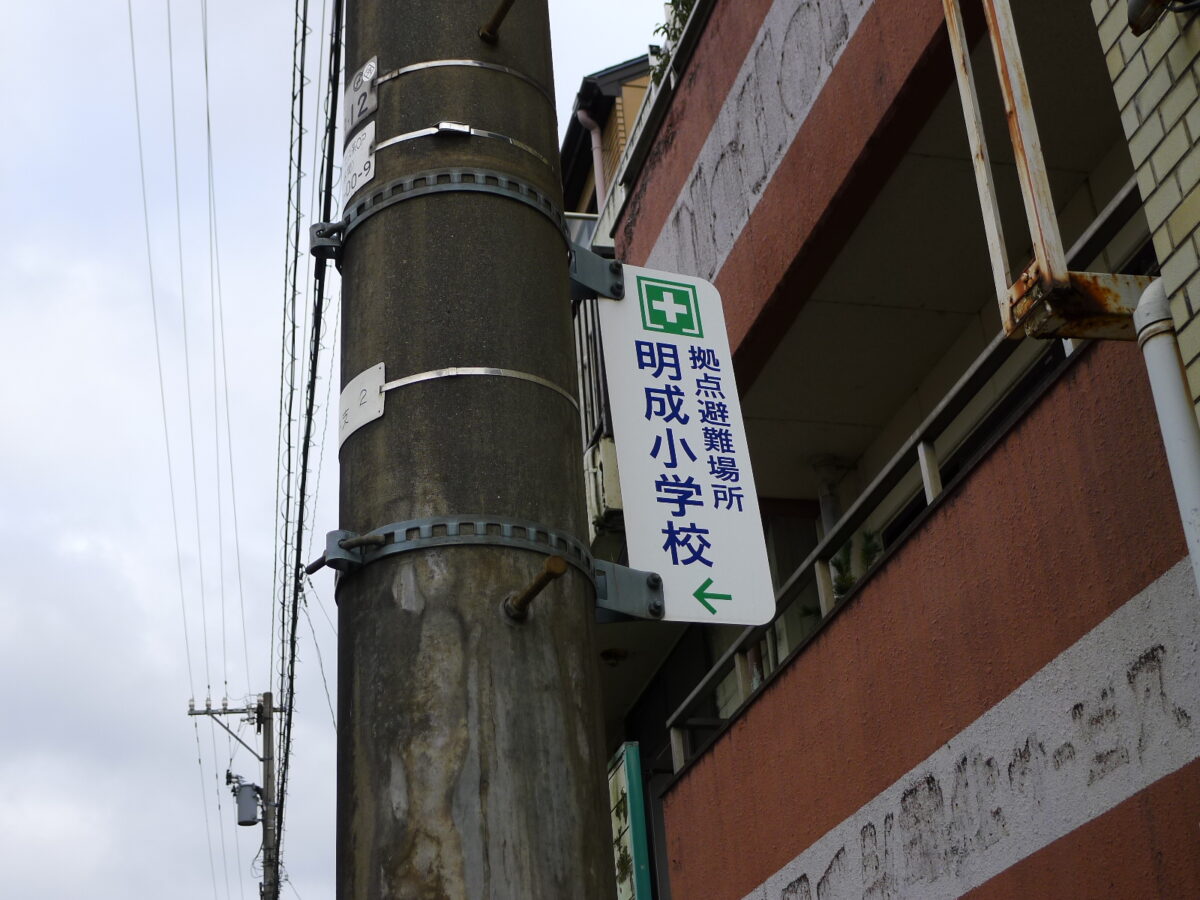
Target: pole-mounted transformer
[247,795]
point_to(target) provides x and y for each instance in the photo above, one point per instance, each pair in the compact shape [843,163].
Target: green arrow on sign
[704,596]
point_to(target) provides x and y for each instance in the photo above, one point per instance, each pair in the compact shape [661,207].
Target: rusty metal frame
[1046,300]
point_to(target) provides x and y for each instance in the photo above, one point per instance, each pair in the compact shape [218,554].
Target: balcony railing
[737,664]
[593,386]
[581,227]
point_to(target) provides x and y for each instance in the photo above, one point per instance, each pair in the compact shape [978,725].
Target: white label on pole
[361,402]
[358,162]
[361,96]
[691,510]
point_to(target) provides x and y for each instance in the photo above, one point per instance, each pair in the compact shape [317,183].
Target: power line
[288,393]
[220,811]
[312,589]
[336,316]
[237,845]
[287,364]
[335,44]
[187,366]
[204,800]
[162,392]
[220,318]
[307,323]
[213,278]
[320,664]
[337,309]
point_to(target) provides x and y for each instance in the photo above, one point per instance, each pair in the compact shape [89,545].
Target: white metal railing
[918,451]
[581,227]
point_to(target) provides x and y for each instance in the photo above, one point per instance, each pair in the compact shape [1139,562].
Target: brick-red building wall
[1028,555]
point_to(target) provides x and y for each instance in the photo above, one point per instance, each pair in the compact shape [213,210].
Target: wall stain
[791,61]
[1064,755]
[934,833]
[878,874]
[922,830]
[1025,770]
[797,890]
[1157,713]
[834,883]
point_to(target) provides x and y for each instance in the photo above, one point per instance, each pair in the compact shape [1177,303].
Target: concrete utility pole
[263,714]
[470,757]
[266,722]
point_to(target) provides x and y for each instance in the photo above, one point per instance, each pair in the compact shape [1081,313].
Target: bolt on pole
[470,754]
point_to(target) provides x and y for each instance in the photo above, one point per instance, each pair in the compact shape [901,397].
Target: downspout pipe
[1176,414]
[597,156]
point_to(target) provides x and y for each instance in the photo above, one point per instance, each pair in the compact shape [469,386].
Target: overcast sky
[100,792]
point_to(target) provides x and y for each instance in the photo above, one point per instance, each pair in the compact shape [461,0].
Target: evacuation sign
[691,511]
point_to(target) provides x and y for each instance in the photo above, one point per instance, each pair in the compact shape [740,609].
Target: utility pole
[470,755]
[263,715]
[266,722]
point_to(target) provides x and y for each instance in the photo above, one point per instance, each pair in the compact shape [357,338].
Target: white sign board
[361,96]
[361,402]
[691,510]
[358,162]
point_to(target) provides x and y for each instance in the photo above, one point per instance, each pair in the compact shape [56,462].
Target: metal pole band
[467,63]
[445,531]
[487,181]
[456,371]
[464,130]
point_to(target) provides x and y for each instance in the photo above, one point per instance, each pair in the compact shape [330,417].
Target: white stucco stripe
[1107,718]
[791,59]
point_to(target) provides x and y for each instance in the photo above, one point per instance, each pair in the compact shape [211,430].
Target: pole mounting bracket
[623,593]
[594,276]
[329,238]
[325,240]
[346,551]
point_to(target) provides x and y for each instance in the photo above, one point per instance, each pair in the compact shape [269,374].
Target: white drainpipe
[1176,415]
[597,156]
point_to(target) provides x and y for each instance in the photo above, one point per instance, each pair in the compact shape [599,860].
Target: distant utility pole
[470,756]
[263,715]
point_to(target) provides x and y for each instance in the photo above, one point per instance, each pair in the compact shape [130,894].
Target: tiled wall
[1155,80]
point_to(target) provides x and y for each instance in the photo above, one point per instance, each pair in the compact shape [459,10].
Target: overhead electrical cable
[333,330]
[312,589]
[220,318]
[219,789]
[162,392]
[212,305]
[288,388]
[320,663]
[237,845]
[212,867]
[307,322]
[297,571]
[187,365]
[287,382]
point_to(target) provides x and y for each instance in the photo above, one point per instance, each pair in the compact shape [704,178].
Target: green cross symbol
[670,307]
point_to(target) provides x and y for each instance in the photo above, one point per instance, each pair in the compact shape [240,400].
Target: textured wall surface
[1106,719]
[793,54]
[1156,80]
[1022,561]
[758,143]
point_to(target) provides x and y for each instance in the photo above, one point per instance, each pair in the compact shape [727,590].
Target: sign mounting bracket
[594,276]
